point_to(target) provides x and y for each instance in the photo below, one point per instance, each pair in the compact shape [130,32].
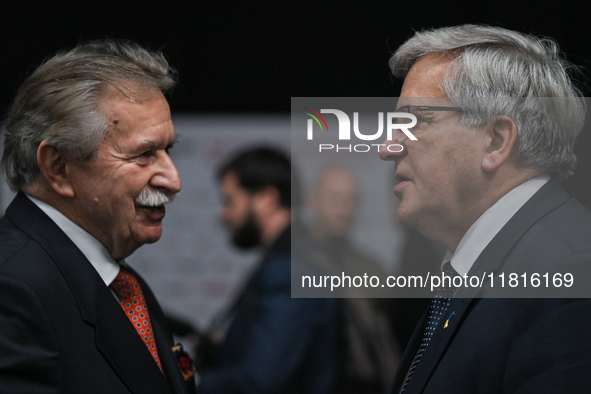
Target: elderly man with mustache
[86,148]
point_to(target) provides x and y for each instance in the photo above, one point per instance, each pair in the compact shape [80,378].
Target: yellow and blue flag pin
[448,319]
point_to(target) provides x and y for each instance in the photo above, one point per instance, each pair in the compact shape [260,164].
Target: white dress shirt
[92,248]
[490,223]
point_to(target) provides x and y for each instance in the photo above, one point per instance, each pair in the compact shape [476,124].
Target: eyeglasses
[418,108]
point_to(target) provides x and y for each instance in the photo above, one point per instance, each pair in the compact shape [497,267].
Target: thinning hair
[60,102]
[261,167]
[499,72]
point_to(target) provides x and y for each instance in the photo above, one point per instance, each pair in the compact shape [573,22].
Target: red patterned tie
[134,305]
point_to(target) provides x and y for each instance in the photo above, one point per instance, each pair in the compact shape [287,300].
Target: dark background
[239,56]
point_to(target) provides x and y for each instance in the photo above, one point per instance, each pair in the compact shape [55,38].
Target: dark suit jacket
[277,344]
[61,329]
[524,345]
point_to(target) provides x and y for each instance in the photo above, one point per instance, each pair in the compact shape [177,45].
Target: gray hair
[59,102]
[499,72]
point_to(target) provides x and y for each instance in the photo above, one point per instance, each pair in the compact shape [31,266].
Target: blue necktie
[439,305]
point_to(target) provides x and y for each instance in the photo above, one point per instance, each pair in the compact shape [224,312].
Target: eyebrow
[151,143]
[154,144]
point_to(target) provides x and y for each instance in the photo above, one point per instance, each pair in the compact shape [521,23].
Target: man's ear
[54,168]
[500,144]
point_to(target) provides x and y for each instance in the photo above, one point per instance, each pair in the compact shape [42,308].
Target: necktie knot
[127,285]
[447,288]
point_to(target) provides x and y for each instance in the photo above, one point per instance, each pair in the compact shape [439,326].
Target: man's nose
[166,177]
[391,149]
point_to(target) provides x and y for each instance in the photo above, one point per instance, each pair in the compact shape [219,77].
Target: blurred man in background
[371,353]
[334,203]
[275,343]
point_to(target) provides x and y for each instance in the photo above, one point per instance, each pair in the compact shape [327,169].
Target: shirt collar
[490,223]
[92,248]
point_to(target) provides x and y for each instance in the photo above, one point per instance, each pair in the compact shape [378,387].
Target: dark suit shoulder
[11,240]
[563,232]
[23,259]
[570,223]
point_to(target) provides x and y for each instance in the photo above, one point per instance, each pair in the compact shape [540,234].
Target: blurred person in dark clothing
[334,203]
[371,354]
[275,343]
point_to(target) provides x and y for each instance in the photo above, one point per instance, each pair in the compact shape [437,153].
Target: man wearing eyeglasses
[497,116]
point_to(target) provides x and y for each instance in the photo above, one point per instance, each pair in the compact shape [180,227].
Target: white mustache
[154,198]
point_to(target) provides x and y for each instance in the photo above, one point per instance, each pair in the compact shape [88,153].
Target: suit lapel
[116,338]
[76,269]
[410,351]
[121,345]
[163,337]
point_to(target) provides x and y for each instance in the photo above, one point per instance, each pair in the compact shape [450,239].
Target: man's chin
[150,234]
[405,216]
